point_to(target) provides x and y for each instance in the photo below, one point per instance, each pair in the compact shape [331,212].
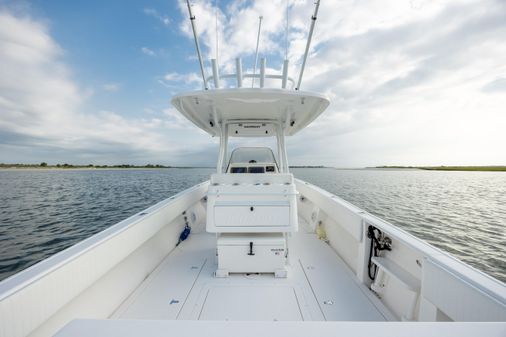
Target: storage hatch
[256,303]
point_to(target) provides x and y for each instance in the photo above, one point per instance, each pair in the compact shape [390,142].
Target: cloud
[236,28]
[175,80]
[147,51]
[417,82]
[154,13]
[42,109]
[174,76]
[177,120]
[497,85]
[111,87]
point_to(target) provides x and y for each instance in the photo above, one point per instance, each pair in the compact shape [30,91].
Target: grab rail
[239,75]
[210,79]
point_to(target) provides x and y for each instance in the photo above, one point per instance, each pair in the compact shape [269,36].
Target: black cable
[376,247]
[371,235]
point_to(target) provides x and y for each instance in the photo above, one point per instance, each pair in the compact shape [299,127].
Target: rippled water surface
[463,213]
[45,211]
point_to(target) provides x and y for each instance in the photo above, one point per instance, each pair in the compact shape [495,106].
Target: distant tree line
[448,168]
[66,165]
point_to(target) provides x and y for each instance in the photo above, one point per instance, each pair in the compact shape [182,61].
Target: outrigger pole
[310,36]
[192,20]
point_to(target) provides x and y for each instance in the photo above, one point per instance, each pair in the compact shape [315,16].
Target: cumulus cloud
[42,109]
[147,51]
[155,14]
[418,82]
[411,91]
[235,27]
[497,85]
[111,87]
[174,80]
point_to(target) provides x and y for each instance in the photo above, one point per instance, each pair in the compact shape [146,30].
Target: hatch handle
[251,249]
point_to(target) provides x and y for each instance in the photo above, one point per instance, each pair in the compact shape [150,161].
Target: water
[45,211]
[463,213]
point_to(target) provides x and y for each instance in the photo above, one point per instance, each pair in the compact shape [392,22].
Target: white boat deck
[320,287]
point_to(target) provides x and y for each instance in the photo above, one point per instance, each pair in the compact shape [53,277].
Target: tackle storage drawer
[252,214]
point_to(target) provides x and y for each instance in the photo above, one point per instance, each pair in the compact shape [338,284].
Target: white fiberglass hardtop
[209,109]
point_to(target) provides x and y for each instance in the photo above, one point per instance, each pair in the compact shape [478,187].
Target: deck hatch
[251,303]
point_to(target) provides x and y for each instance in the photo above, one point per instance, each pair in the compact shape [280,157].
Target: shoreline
[23,167]
[28,168]
[448,168]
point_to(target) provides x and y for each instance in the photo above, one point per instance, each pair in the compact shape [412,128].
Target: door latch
[251,249]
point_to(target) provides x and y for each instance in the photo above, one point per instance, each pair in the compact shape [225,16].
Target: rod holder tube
[308,44]
[263,63]
[284,80]
[197,46]
[238,71]
[216,74]
[256,52]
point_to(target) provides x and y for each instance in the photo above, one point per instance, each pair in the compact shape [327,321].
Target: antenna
[285,62]
[216,27]
[192,20]
[286,30]
[310,36]
[256,52]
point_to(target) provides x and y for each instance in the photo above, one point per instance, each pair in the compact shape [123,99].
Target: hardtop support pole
[283,160]
[223,147]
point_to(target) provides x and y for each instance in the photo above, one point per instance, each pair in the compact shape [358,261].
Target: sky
[411,82]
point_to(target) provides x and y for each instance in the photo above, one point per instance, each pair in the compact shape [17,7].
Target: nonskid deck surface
[319,287]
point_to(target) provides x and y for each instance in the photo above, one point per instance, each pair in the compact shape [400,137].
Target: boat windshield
[252,155]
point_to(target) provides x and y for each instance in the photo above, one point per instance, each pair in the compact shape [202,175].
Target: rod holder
[216,74]
[256,51]
[284,80]
[238,66]
[263,63]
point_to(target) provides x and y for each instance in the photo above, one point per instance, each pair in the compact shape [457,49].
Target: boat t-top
[253,251]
